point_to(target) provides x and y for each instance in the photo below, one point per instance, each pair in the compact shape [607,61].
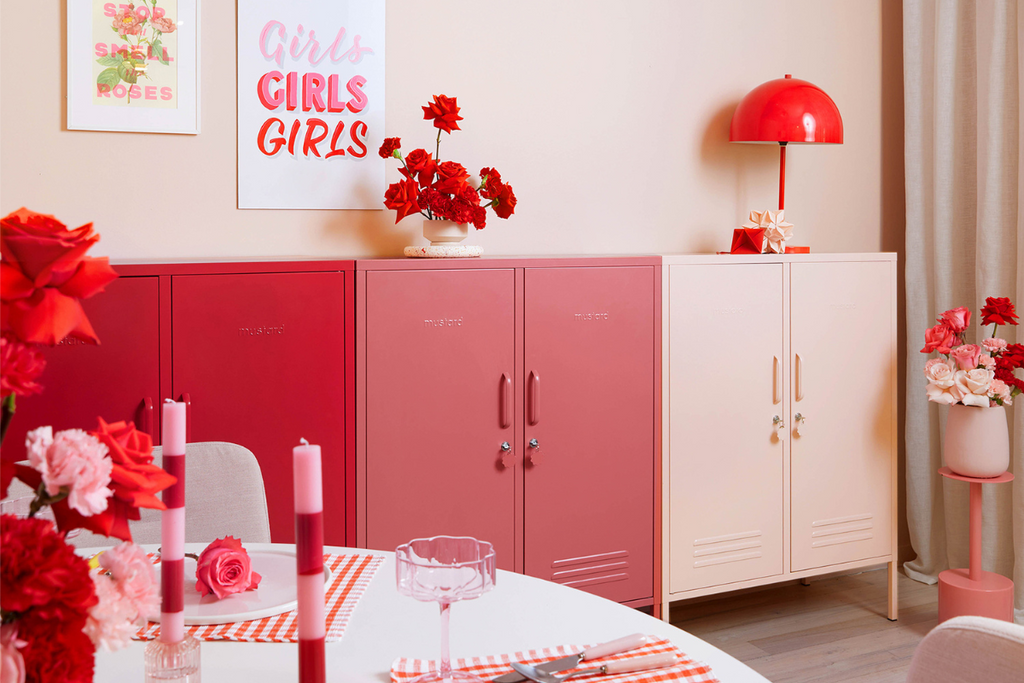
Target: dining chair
[224,495]
[969,650]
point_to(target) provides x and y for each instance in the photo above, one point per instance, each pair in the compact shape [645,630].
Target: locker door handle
[534,413]
[187,400]
[799,378]
[506,401]
[146,419]
[777,387]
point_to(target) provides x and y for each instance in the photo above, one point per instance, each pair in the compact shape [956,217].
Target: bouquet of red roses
[972,374]
[55,608]
[443,189]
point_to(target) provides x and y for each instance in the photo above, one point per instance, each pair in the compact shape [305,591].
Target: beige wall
[609,118]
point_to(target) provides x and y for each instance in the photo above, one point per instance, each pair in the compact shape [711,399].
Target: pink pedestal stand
[974,591]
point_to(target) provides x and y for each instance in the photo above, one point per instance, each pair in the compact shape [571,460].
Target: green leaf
[109,60]
[158,51]
[127,74]
[109,78]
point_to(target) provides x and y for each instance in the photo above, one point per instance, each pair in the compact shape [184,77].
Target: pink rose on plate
[994,345]
[966,356]
[957,319]
[224,568]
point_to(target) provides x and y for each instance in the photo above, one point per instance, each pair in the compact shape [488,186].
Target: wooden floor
[833,630]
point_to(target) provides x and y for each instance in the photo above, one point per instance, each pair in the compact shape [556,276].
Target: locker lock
[780,428]
[508,458]
[799,419]
[535,456]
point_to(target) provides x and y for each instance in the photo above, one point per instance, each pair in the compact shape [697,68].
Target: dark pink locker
[589,379]
[262,358]
[440,364]
[117,380]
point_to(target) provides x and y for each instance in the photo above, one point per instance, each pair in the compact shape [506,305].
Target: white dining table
[521,613]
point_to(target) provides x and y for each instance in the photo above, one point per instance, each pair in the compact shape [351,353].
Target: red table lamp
[786,110]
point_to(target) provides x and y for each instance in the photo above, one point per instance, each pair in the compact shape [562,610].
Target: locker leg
[805,581]
[893,593]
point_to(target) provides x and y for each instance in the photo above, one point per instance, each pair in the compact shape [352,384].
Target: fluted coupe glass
[445,569]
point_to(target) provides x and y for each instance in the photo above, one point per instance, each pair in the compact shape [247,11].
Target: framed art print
[133,67]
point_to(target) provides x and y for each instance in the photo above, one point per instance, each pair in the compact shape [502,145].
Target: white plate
[276,594]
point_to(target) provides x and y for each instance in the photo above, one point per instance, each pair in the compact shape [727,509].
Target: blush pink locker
[262,358]
[440,404]
[119,379]
[589,428]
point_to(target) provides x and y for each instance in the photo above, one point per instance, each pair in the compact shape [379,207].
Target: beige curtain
[963,168]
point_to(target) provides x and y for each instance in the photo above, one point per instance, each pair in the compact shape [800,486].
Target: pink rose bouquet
[972,374]
[224,568]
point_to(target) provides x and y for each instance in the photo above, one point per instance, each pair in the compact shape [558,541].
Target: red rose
[451,177]
[224,568]
[403,198]
[20,366]
[389,147]
[998,311]
[419,165]
[505,202]
[44,273]
[134,480]
[445,113]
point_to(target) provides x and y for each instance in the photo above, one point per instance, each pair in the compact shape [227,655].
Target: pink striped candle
[309,551]
[172,527]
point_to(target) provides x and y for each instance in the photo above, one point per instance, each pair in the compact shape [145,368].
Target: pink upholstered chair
[970,650]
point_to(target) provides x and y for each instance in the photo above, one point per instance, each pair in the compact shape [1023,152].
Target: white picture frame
[84,47]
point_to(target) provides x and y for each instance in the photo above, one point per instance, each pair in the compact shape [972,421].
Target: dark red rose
[490,183]
[505,202]
[445,113]
[56,651]
[20,367]
[44,273]
[403,198]
[41,575]
[419,165]
[134,479]
[998,311]
[389,147]
[451,177]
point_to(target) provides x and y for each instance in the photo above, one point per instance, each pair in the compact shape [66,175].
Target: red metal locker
[589,428]
[440,383]
[262,357]
[117,380]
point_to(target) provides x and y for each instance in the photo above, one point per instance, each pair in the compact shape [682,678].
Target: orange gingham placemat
[351,575]
[688,670]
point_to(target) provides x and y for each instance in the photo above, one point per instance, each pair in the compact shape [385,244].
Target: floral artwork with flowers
[139,31]
[55,608]
[444,190]
[972,374]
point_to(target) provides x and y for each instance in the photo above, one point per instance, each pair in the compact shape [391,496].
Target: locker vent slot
[839,530]
[713,550]
[591,569]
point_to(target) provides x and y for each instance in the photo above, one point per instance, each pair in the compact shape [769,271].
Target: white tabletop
[521,613]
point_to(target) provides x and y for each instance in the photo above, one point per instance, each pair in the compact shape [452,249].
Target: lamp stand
[782,176]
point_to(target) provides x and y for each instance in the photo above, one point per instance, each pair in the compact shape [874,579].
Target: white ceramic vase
[444,232]
[977,441]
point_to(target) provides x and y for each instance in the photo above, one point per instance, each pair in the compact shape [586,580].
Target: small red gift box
[747,241]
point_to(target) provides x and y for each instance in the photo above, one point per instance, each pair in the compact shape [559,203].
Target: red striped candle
[172,527]
[309,551]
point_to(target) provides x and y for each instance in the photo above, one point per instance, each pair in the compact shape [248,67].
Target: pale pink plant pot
[977,441]
[442,232]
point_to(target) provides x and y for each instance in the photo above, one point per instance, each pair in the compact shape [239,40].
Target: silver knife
[612,647]
[621,666]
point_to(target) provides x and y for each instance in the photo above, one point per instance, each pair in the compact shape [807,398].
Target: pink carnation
[994,345]
[999,389]
[111,621]
[132,574]
[73,460]
[12,664]
[163,24]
